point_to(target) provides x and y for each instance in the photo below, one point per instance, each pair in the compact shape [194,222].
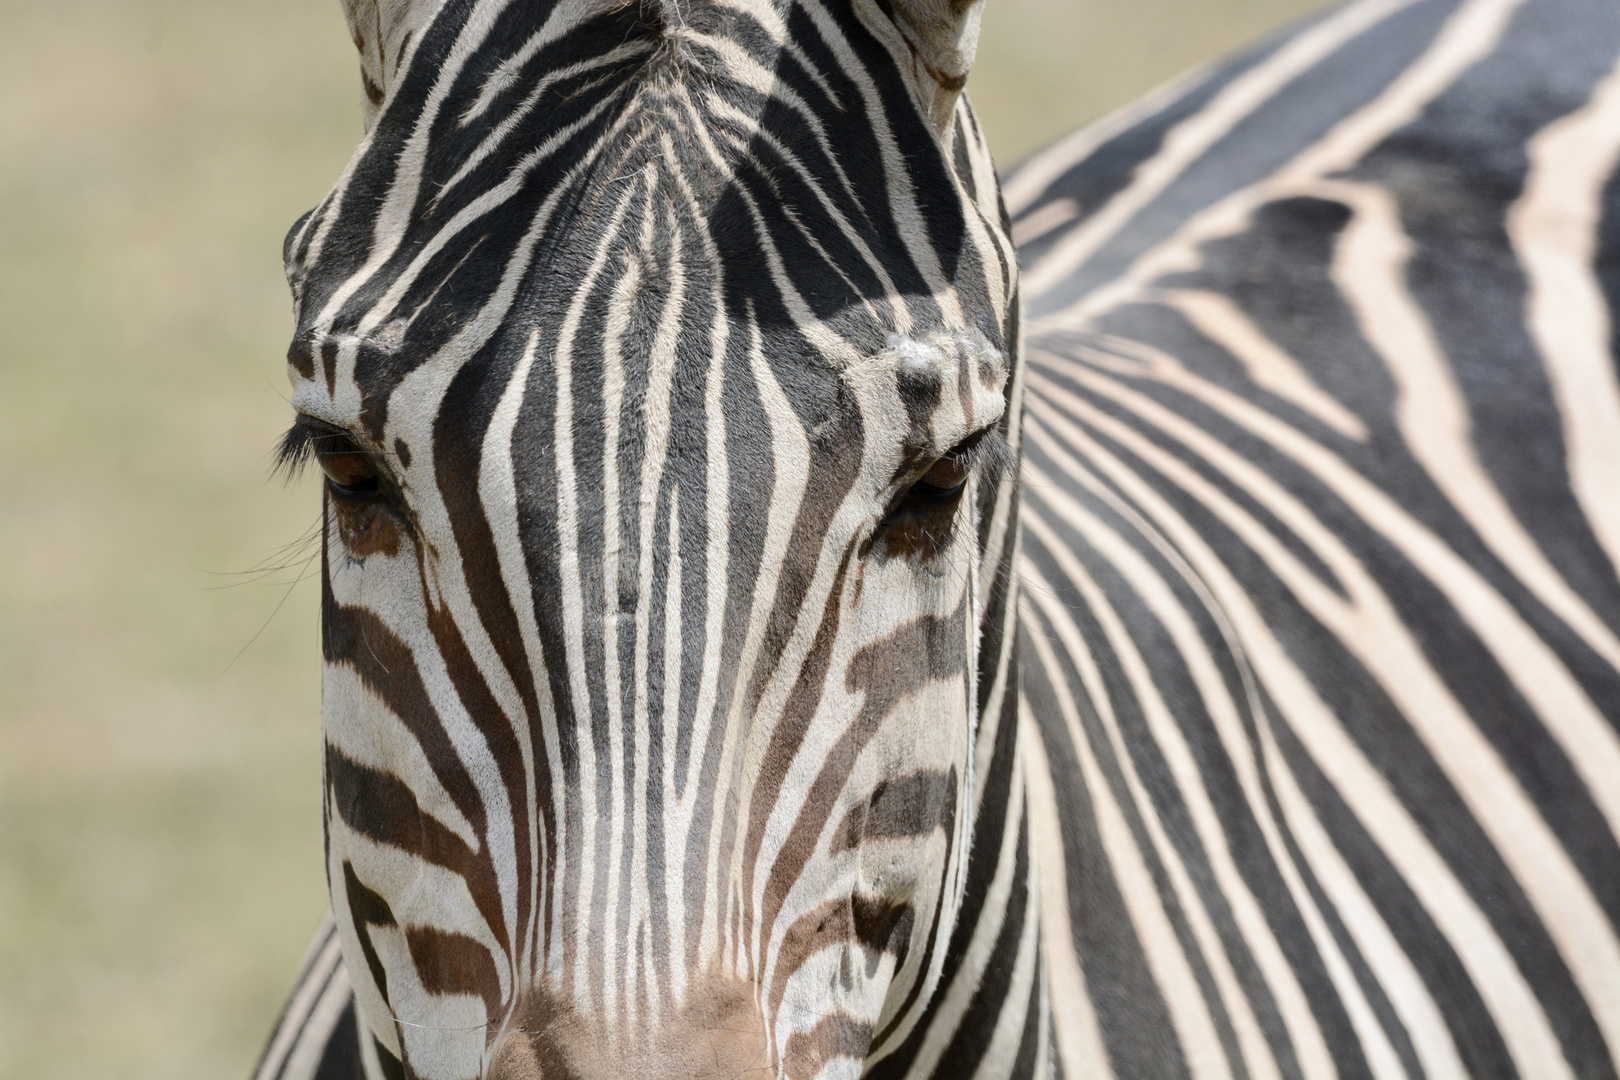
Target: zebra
[1280,737]
[658,358]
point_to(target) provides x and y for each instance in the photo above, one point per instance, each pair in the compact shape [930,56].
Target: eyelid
[985,449]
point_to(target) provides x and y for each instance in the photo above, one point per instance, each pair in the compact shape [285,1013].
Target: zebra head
[662,362]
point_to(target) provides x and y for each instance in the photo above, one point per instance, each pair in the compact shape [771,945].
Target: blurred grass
[160,864]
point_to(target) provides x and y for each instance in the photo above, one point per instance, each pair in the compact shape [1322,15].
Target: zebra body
[1269,730]
[1319,569]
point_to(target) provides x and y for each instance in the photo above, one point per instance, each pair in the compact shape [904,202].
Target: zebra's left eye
[941,486]
[919,521]
[944,481]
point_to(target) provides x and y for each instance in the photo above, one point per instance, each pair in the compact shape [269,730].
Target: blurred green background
[160,866]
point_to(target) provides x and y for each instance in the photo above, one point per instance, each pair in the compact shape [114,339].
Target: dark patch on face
[402,452]
[920,391]
[921,519]
[808,1052]
[918,532]
[301,356]
[370,528]
[912,805]
[450,963]
[882,926]
[329,355]
[367,909]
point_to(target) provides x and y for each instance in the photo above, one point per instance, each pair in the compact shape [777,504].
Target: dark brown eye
[348,468]
[944,480]
[919,522]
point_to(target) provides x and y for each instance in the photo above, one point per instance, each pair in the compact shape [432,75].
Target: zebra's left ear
[382,31]
[939,39]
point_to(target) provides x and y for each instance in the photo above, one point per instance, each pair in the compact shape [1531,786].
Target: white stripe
[572,602]
[1008,1034]
[615,326]
[953,1004]
[656,412]
[1172,744]
[1174,618]
[1234,738]
[1373,631]
[1369,266]
[1419,1014]
[1273,370]
[680,800]
[1554,229]
[497,494]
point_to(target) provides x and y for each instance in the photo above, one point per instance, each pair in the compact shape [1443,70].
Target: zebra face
[660,366]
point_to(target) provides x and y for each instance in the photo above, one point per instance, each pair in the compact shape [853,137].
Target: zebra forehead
[518,177]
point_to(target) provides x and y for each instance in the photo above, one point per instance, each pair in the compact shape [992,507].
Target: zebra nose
[716,1031]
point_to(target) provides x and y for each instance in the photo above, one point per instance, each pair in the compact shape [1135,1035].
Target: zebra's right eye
[348,468]
[351,470]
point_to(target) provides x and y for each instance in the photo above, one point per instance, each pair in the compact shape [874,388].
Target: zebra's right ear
[382,31]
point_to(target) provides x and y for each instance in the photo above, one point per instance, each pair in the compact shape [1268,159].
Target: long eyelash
[304,440]
[294,452]
[987,452]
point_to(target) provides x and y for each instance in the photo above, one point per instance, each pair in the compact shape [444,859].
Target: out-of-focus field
[160,861]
